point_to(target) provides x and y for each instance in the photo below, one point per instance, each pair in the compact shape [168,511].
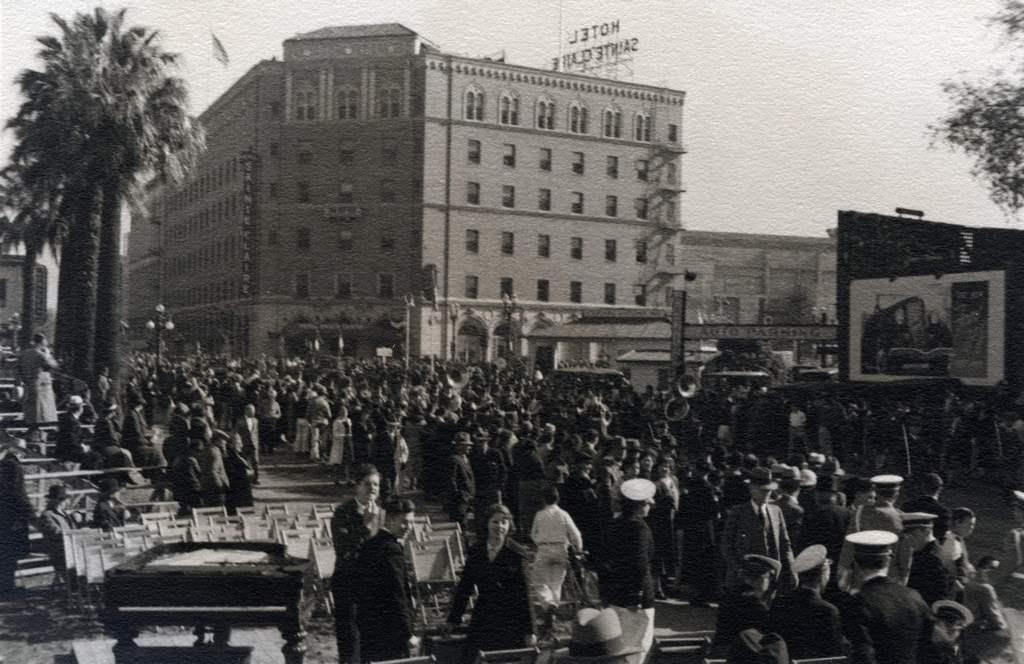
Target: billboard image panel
[952,326]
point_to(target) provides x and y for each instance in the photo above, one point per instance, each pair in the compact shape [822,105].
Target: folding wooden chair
[689,650]
[839,659]
[715,661]
[249,510]
[258,532]
[272,509]
[165,528]
[432,569]
[153,540]
[429,659]
[321,553]
[513,656]
[152,520]
[322,509]
[296,542]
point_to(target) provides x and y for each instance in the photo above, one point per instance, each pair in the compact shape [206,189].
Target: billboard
[934,325]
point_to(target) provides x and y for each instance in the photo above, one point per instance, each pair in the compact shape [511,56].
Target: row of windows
[346,240]
[387,103]
[228,289]
[205,258]
[212,180]
[345,286]
[508,246]
[387,191]
[577,119]
[305,152]
[577,202]
[543,293]
[577,162]
[215,214]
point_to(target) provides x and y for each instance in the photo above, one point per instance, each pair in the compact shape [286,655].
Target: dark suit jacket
[348,532]
[15,508]
[502,616]
[826,525]
[462,482]
[133,429]
[739,609]
[625,576]
[929,505]
[886,623]
[743,535]
[809,625]
[70,436]
[379,587]
[929,576]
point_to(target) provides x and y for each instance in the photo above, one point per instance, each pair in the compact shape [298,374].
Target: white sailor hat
[917,519]
[808,478]
[75,400]
[950,611]
[886,480]
[816,458]
[638,490]
[810,558]
[878,542]
[1018,497]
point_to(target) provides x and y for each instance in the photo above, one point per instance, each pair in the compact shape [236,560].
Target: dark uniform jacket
[379,588]
[348,532]
[502,616]
[809,625]
[929,576]
[929,505]
[826,525]
[625,576]
[741,608]
[886,623]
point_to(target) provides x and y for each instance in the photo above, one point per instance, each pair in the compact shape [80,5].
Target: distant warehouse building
[368,177]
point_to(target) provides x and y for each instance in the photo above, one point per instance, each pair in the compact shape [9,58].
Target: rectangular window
[611,206]
[275,150]
[577,163]
[345,193]
[508,154]
[472,290]
[273,191]
[543,289]
[346,156]
[304,155]
[577,202]
[673,133]
[473,152]
[640,295]
[670,254]
[387,191]
[343,286]
[611,251]
[275,110]
[302,285]
[576,248]
[641,251]
[640,207]
[545,159]
[389,154]
[345,241]
[385,285]
[641,170]
[609,293]
[544,199]
[612,167]
[472,241]
[473,193]
[544,246]
[302,238]
[508,196]
[576,291]
[387,244]
[302,192]
[508,243]
[507,287]
[272,238]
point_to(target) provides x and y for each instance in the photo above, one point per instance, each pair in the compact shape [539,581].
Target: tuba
[457,378]
[678,408]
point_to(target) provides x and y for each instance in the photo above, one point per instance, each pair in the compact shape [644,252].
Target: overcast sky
[795,108]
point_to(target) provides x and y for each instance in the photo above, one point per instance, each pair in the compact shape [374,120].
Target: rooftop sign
[596,47]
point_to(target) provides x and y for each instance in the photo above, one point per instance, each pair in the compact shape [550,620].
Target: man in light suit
[249,429]
[758,527]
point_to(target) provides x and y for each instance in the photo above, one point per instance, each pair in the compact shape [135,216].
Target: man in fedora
[745,604]
[757,526]
[461,481]
[597,637]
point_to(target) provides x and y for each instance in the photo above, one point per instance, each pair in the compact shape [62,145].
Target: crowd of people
[755,500]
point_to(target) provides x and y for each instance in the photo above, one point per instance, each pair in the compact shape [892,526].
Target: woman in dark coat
[502,618]
[354,522]
[15,515]
[239,472]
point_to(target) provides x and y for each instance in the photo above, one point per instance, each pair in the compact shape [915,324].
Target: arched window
[642,127]
[305,103]
[578,118]
[474,107]
[612,123]
[389,102]
[508,109]
[347,103]
[545,113]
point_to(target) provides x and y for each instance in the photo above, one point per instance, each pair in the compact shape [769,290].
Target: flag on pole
[219,53]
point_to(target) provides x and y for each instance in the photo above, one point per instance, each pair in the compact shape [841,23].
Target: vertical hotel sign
[248,160]
[678,328]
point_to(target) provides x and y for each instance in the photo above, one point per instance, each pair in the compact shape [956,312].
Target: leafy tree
[987,119]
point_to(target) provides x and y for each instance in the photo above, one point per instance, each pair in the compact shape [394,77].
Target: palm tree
[27,218]
[102,116]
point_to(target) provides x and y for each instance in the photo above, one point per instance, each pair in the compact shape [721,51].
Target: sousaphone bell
[678,408]
[457,378]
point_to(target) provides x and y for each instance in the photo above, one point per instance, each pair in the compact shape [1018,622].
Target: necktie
[769,535]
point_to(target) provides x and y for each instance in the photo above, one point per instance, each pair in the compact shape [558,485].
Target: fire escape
[664,184]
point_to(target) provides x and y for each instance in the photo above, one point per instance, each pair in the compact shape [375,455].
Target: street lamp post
[162,322]
[453,313]
[410,302]
[508,305]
